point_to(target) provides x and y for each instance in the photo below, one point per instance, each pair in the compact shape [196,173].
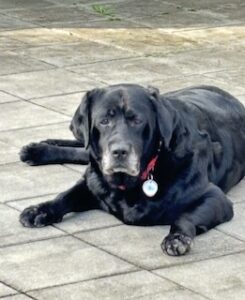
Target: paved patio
[51,53]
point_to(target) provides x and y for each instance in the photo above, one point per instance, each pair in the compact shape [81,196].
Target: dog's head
[122,126]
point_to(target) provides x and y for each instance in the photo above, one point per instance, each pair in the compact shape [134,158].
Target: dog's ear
[81,122]
[164,115]
[153,91]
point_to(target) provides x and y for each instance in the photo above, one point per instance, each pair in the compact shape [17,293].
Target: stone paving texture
[51,53]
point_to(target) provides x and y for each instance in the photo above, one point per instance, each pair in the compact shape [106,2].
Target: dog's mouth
[121,169]
[121,180]
[120,173]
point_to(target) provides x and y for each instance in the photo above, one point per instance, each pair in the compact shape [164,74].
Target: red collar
[151,165]
[150,168]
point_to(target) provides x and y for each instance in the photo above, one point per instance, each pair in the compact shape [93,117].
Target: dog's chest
[131,207]
[136,209]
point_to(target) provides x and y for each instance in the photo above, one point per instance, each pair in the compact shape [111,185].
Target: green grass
[105,11]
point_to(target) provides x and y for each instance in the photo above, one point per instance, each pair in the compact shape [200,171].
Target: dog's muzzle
[120,158]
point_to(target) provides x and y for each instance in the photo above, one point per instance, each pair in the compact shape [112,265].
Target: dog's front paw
[38,216]
[33,154]
[177,244]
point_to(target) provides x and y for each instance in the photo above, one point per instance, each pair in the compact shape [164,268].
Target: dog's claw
[38,216]
[32,153]
[177,244]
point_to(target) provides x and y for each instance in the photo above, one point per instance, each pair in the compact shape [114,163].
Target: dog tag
[150,187]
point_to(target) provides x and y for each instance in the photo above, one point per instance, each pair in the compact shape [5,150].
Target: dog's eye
[137,121]
[111,113]
[104,121]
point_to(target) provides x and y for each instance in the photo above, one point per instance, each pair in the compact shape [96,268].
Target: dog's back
[223,117]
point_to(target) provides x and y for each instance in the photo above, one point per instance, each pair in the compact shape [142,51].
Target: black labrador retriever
[153,159]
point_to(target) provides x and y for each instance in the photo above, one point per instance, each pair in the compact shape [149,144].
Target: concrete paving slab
[189,62]
[85,52]
[234,11]
[140,70]
[142,41]
[78,168]
[56,16]
[237,193]
[86,221]
[9,23]
[21,137]
[68,15]
[194,15]
[134,9]
[236,227]
[141,245]
[107,22]
[235,76]
[45,83]
[74,222]
[55,262]
[162,41]
[6,290]
[219,278]
[23,4]
[222,36]
[65,104]
[21,204]
[8,153]
[187,19]
[162,14]
[21,181]
[41,36]
[170,84]
[13,64]
[80,2]
[17,297]
[209,4]
[21,114]
[4,97]
[12,232]
[12,141]
[134,285]
[7,44]
[179,294]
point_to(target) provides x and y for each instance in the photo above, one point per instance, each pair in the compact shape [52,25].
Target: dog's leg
[42,154]
[64,143]
[76,199]
[211,210]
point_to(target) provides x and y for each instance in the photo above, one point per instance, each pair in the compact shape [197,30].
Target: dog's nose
[120,151]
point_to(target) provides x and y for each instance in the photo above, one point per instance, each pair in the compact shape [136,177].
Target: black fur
[200,133]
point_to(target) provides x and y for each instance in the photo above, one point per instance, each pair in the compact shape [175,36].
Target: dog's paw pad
[37,216]
[32,154]
[177,244]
